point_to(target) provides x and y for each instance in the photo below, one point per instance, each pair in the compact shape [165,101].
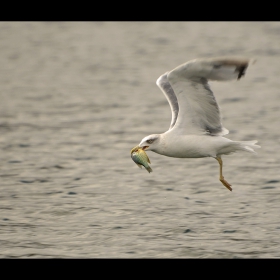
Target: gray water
[75,97]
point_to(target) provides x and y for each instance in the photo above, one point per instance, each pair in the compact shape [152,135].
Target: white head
[150,142]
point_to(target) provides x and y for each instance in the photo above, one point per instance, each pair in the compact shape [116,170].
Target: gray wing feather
[199,111]
[166,88]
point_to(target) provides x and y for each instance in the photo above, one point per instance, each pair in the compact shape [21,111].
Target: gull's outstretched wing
[164,85]
[198,109]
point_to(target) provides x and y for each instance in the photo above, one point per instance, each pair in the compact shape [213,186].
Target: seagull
[196,129]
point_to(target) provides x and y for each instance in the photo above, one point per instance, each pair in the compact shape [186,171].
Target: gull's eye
[150,141]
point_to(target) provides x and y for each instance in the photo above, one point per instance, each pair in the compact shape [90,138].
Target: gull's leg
[222,179]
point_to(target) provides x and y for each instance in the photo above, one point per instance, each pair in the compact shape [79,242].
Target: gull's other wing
[164,85]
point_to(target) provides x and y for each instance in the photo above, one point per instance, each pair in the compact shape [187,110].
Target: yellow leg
[222,179]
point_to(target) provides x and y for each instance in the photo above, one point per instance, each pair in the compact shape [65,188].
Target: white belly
[191,146]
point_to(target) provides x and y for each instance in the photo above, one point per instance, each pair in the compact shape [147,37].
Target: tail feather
[248,146]
[237,146]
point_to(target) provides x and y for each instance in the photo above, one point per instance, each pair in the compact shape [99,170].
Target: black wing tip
[241,71]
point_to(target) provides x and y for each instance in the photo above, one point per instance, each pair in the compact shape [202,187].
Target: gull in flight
[196,130]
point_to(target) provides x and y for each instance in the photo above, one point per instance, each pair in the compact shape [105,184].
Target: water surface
[77,96]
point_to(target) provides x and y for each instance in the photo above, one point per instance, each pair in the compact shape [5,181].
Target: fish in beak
[139,156]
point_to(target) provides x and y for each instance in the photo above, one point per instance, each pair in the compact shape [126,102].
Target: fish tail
[149,169]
